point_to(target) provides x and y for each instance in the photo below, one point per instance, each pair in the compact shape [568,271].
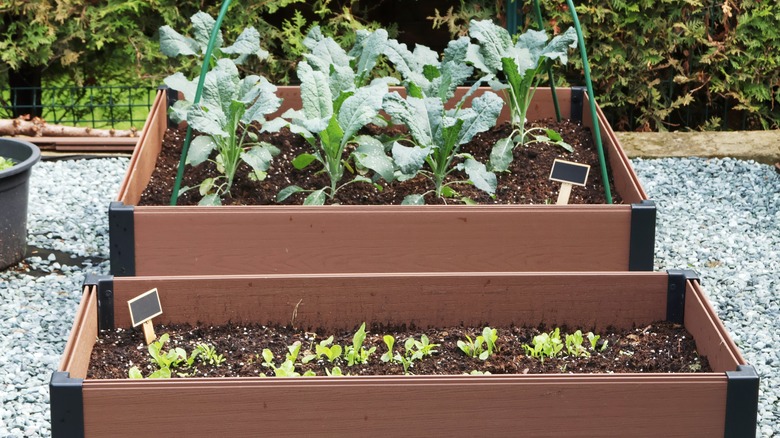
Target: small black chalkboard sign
[568,172]
[144,307]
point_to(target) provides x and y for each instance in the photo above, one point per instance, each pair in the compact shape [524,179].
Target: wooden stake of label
[149,334]
[568,174]
[143,308]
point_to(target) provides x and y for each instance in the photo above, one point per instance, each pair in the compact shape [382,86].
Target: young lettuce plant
[337,102]
[483,346]
[520,64]
[437,132]
[228,105]
[356,353]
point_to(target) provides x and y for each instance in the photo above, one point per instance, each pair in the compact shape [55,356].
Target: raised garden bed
[718,403]
[158,240]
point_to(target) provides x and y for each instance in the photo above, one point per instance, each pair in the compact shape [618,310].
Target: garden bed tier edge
[720,403]
[180,240]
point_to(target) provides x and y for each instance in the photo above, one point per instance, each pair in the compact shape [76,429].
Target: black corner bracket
[675,293]
[67,406]
[171,96]
[121,234]
[741,402]
[105,299]
[577,103]
[641,249]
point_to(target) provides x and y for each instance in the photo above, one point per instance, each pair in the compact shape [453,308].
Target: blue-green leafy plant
[338,101]
[483,346]
[438,132]
[519,63]
[228,105]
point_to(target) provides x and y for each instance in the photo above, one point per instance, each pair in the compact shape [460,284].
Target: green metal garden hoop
[512,26]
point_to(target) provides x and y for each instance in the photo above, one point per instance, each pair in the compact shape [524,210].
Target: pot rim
[23,166]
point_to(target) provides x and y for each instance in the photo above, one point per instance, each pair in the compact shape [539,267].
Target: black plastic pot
[14,191]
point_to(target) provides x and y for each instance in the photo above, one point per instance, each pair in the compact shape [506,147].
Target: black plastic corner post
[67,406]
[577,103]
[121,234]
[105,299]
[741,402]
[641,251]
[675,293]
[171,96]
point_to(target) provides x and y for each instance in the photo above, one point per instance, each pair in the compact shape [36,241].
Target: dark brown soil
[659,348]
[526,182]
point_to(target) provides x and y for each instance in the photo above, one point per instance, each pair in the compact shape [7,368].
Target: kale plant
[437,132]
[519,64]
[174,44]
[228,105]
[337,102]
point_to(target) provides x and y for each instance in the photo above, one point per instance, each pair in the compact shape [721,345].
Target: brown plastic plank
[78,349]
[587,301]
[712,339]
[626,182]
[144,157]
[463,406]
[331,239]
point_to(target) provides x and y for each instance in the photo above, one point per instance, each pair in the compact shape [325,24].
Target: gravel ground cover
[720,217]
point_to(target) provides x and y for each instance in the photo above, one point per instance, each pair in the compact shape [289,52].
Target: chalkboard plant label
[143,308]
[568,174]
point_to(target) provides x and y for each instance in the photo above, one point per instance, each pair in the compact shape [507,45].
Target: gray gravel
[719,217]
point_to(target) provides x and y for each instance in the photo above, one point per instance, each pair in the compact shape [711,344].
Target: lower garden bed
[719,402]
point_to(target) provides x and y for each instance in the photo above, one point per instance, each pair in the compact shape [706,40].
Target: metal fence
[115,107]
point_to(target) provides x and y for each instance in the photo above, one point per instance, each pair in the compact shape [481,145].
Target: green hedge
[656,64]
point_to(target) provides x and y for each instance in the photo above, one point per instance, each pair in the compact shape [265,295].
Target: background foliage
[656,64]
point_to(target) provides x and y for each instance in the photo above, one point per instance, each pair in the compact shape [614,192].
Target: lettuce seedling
[207,353]
[519,64]
[483,346]
[389,341]
[337,102]
[326,350]
[228,105]
[164,360]
[545,345]
[355,353]
[574,345]
[286,368]
[594,341]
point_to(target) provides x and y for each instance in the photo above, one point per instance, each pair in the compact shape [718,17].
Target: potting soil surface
[661,347]
[526,182]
